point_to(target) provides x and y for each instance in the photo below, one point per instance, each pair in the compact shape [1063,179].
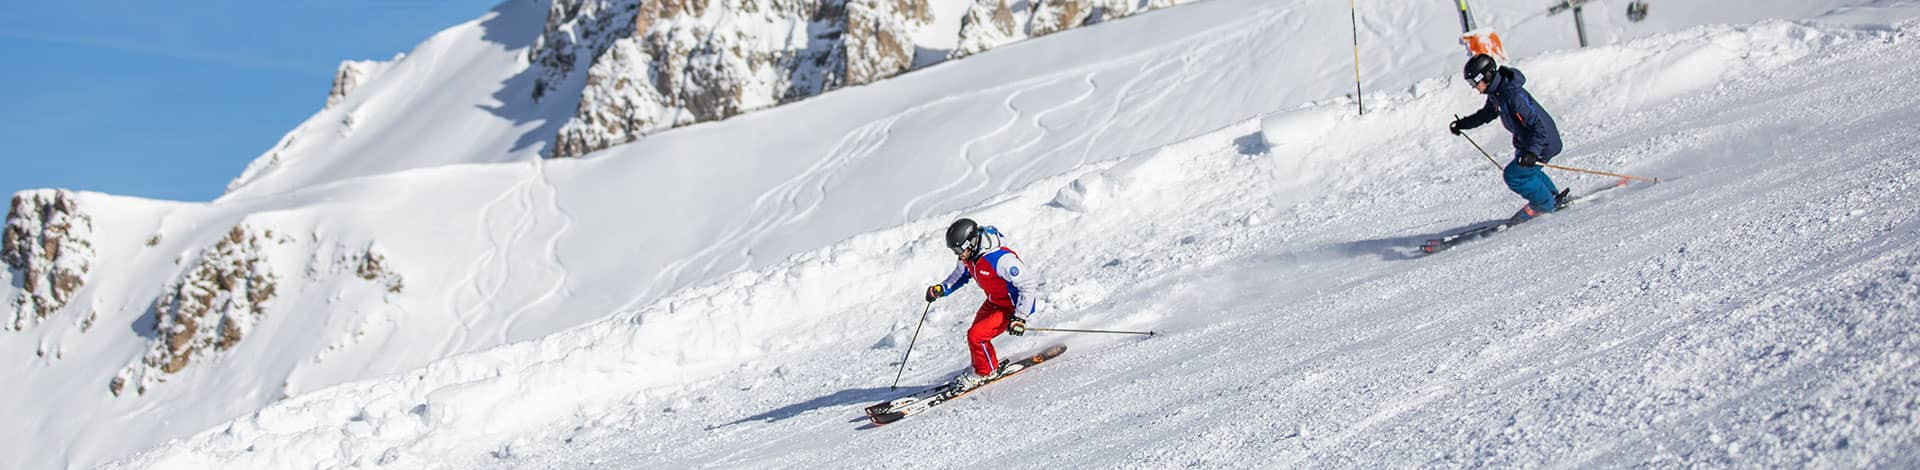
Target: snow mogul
[1010,287]
[1535,137]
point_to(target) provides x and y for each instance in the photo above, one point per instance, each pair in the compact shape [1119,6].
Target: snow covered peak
[460,97]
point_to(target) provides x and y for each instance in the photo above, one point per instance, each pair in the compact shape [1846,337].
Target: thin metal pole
[1496,165]
[1476,146]
[1580,26]
[1360,101]
[1601,173]
[1466,17]
[916,339]
[1111,332]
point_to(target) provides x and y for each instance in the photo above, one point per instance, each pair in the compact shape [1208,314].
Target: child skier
[1010,289]
[1535,138]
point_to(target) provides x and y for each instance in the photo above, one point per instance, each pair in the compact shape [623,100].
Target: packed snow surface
[1755,309]
[731,294]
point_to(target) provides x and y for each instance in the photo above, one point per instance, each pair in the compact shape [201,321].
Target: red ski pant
[990,321]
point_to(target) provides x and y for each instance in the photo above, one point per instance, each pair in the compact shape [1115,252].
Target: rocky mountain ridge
[648,66]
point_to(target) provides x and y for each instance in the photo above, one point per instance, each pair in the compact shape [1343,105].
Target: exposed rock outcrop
[993,23]
[577,31]
[672,63]
[345,80]
[1052,16]
[48,251]
[210,308]
[989,23]
[370,265]
[878,38]
[652,65]
[354,73]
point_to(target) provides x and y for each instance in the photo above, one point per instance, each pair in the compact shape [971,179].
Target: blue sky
[171,100]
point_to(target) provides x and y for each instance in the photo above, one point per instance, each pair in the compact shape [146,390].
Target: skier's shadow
[1403,248]
[843,397]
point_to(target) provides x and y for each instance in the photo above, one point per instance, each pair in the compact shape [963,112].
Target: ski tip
[1055,350]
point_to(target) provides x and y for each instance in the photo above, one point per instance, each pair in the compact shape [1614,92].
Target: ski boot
[969,380]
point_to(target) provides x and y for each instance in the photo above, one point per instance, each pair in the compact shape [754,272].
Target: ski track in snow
[1160,85]
[772,210]
[974,166]
[555,272]
[480,295]
[473,286]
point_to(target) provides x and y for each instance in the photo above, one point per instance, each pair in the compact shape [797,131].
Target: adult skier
[1010,289]
[1535,138]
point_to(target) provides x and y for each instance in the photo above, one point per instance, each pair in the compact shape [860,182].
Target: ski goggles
[968,247]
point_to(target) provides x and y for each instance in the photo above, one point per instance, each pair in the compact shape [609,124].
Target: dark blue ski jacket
[1533,130]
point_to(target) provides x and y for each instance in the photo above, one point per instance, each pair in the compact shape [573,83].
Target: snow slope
[429,163]
[1755,309]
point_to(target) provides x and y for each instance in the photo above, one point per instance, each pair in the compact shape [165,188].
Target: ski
[1436,245]
[896,409]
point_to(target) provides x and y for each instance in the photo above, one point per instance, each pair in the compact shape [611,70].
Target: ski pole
[1597,172]
[1359,95]
[916,338]
[1476,146]
[1496,164]
[1065,330]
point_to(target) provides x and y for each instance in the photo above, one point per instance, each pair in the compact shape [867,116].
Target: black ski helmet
[963,237]
[1480,69]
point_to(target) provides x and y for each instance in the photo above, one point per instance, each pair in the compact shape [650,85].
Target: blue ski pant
[1531,183]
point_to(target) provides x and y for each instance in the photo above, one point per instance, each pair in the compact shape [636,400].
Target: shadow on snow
[843,397]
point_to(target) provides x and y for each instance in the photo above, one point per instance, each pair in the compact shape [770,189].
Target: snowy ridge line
[465,77]
[801,307]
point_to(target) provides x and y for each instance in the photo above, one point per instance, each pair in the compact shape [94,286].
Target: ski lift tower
[1579,21]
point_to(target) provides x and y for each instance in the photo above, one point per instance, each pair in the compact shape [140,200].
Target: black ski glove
[1529,159]
[1454,127]
[1018,327]
[934,292]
